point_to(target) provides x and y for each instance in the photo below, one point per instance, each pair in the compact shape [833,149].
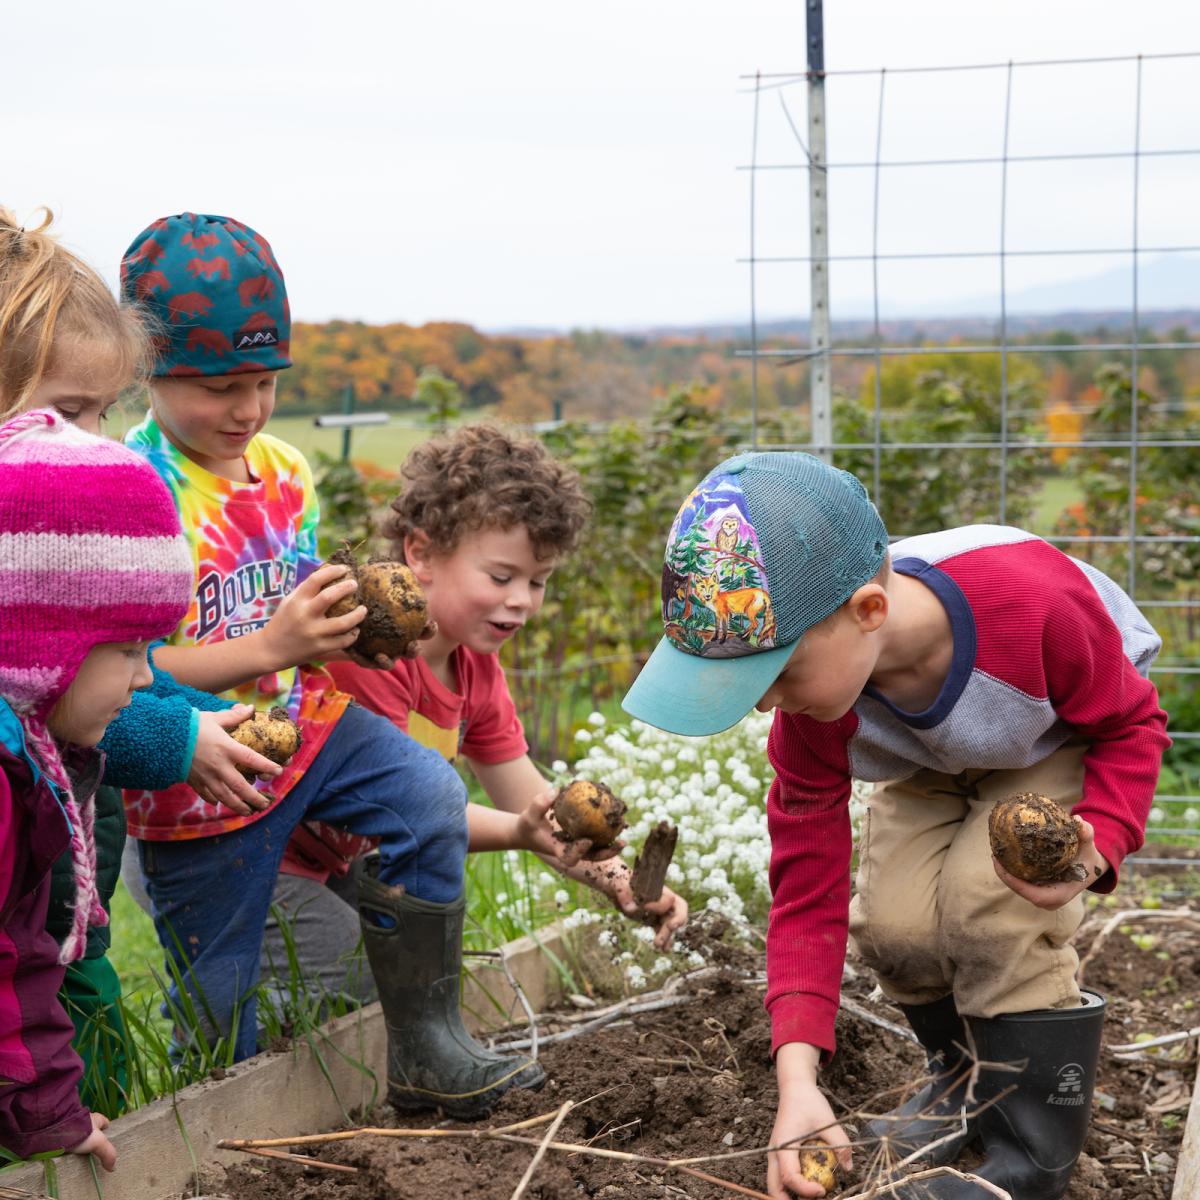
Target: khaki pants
[930,915]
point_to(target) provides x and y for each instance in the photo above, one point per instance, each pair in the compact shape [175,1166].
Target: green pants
[90,993]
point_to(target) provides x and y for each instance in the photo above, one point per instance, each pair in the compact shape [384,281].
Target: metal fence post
[820,381]
[347,408]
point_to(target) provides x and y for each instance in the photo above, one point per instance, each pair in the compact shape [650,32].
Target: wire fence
[1148,511]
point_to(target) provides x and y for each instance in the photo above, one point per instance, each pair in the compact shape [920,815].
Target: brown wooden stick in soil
[878,1191]
[302,1160]
[665,1164]
[650,867]
[249,1145]
[258,1145]
[541,1150]
[725,1183]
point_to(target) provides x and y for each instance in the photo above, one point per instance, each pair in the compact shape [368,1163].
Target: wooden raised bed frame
[160,1146]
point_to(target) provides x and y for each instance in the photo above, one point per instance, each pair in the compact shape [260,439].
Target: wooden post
[650,868]
[1187,1169]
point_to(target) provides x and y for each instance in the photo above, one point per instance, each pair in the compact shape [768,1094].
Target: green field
[386,445]
[1057,494]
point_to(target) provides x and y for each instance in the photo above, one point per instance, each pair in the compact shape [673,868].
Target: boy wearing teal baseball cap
[956,669]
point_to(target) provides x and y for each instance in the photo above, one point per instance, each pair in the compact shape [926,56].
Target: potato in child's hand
[818,1166]
[1035,840]
[272,734]
[584,809]
[396,611]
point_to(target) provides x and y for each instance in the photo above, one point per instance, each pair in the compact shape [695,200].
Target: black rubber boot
[936,1110]
[433,1062]
[1032,1137]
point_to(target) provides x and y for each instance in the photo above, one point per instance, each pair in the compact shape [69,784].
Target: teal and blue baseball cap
[214,294]
[767,546]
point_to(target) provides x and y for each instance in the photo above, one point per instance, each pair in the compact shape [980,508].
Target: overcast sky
[556,163]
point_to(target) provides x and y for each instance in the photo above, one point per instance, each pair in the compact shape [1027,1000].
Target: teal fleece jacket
[150,744]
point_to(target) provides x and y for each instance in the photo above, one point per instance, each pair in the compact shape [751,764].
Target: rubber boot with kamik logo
[1033,1118]
[415,951]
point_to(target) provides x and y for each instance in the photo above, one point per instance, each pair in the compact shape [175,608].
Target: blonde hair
[51,300]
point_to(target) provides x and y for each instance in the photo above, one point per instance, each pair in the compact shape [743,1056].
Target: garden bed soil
[697,1080]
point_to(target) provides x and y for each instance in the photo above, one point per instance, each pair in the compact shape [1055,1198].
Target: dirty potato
[585,809]
[1034,838]
[396,611]
[271,734]
[818,1166]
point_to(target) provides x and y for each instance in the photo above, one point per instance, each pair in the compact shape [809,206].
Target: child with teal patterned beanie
[257,624]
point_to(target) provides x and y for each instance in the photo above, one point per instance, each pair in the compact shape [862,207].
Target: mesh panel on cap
[820,535]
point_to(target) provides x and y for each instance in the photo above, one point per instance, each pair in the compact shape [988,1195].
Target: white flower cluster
[714,791]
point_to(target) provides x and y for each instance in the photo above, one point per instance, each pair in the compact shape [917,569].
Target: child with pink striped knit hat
[92,568]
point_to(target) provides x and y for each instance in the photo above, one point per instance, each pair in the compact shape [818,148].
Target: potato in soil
[271,734]
[585,809]
[1033,838]
[818,1166]
[396,609]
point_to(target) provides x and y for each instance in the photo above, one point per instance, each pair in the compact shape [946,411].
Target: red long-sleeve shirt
[1046,648]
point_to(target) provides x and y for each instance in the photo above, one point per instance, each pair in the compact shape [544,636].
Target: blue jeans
[211,896]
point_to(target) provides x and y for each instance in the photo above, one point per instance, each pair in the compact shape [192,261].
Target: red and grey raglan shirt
[1046,648]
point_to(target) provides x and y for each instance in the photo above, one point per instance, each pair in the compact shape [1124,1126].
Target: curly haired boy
[484,519]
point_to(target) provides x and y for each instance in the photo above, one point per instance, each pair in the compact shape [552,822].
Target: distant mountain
[1168,296]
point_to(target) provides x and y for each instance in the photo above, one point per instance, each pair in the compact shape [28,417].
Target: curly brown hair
[480,477]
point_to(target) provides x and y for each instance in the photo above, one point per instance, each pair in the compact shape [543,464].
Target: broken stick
[650,867]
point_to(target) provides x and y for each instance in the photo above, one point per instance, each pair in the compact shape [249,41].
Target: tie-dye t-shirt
[252,543]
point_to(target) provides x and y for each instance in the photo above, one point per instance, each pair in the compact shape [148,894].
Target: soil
[697,1080]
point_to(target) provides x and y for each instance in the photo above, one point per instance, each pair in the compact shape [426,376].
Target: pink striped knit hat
[90,553]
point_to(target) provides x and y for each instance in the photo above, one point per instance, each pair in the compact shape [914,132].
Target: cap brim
[683,693]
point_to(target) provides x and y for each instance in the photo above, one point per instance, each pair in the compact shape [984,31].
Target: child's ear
[417,548]
[869,607]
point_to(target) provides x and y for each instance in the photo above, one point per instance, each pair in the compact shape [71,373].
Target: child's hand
[96,1143]
[668,914]
[535,828]
[214,775]
[299,631]
[381,662]
[1055,895]
[803,1113]
[413,649]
